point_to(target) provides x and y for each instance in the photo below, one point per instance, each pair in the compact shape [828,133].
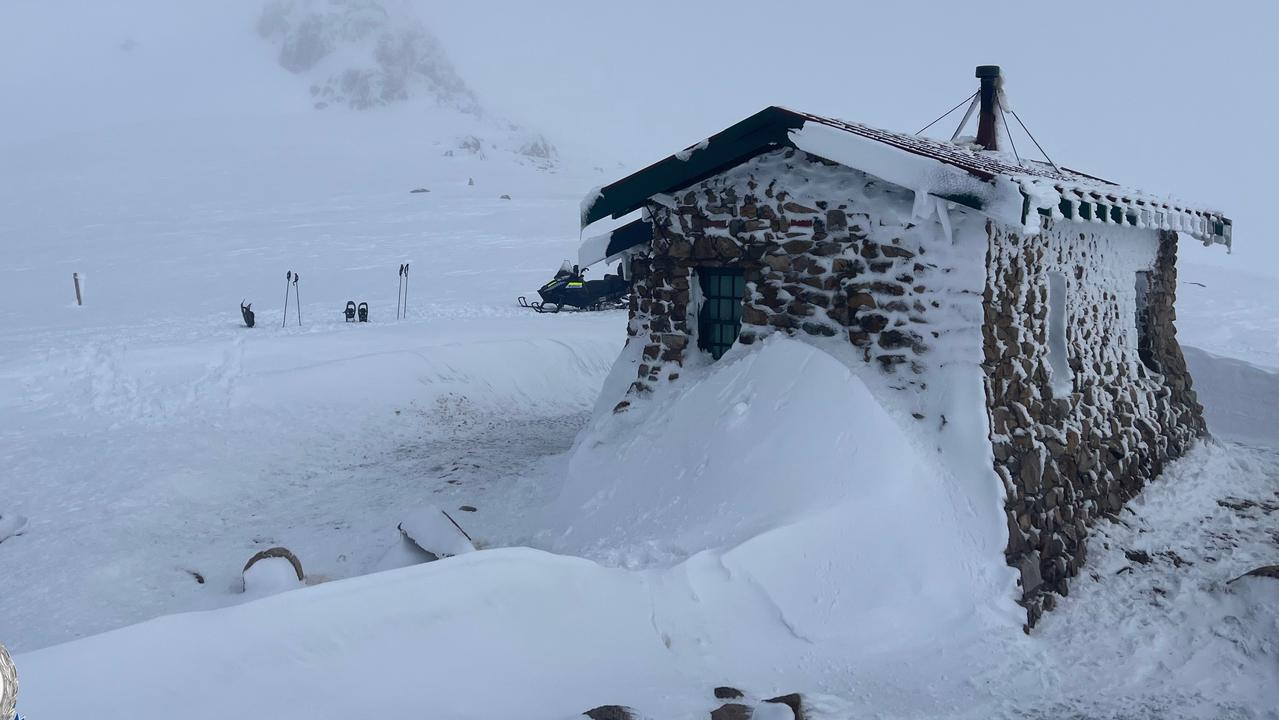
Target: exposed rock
[1141,557]
[731,711]
[725,692]
[1265,571]
[611,712]
[276,552]
[793,701]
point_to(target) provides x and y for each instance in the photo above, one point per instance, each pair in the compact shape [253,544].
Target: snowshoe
[247,312]
[350,311]
[364,312]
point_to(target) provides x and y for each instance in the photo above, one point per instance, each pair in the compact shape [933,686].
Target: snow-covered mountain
[365,54]
[361,54]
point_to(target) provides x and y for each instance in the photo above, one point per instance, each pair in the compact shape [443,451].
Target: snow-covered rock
[273,571]
[435,532]
[11,524]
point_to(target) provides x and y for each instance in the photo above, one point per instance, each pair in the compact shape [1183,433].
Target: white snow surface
[269,576]
[155,444]
[432,530]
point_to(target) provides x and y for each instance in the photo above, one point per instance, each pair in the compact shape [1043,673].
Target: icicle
[943,217]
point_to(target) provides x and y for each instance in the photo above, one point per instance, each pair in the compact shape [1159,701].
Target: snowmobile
[570,287]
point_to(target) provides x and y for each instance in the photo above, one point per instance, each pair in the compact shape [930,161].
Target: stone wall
[1071,456]
[826,251]
[829,252]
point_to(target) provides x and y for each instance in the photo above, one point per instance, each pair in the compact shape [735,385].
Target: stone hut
[918,255]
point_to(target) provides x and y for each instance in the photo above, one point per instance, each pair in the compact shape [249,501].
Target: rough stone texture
[1066,460]
[610,712]
[725,692]
[1265,571]
[277,552]
[794,701]
[829,252]
[842,260]
[731,711]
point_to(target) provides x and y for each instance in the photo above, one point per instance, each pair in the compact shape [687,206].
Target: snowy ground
[1152,631]
[148,438]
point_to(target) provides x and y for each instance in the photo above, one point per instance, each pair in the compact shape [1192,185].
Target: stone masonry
[834,267]
[830,252]
[1065,461]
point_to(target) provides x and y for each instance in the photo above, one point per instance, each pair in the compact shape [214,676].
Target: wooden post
[76,277]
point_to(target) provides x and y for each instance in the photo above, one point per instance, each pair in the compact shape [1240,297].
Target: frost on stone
[11,524]
[1013,192]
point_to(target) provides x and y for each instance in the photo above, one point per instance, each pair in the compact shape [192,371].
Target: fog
[1175,98]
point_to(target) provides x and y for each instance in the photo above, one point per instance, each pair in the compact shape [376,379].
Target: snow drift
[783,459]
[782,513]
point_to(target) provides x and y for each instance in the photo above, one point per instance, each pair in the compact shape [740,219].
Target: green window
[720,317]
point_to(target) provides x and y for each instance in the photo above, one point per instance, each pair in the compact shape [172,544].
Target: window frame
[719,314]
[1141,317]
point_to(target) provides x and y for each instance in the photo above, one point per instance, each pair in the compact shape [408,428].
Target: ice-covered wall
[1076,441]
[1015,353]
[827,251]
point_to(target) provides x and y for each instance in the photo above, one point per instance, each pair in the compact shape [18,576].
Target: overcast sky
[1173,97]
[1176,97]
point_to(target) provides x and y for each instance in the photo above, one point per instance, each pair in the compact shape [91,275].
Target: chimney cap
[987,71]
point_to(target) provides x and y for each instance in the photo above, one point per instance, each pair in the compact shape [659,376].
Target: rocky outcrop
[611,712]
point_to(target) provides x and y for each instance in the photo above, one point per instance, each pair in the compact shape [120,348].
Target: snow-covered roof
[1017,192]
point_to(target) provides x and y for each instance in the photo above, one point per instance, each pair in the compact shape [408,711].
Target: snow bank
[803,521]
[783,457]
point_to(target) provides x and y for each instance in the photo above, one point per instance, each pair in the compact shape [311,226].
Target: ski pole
[288,278]
[399,293]
[297,298]
[406,291]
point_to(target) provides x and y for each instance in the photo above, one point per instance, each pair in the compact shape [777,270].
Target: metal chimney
[987,135]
